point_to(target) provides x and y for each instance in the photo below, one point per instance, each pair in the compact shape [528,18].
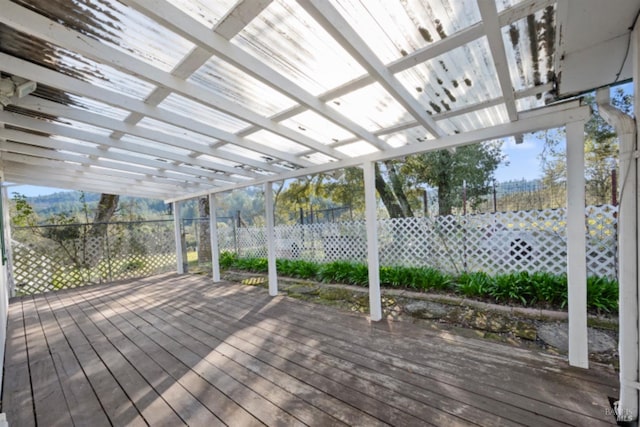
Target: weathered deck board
[173,350]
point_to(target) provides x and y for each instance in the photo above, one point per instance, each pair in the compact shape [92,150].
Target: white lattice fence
[495,243]
[124,250]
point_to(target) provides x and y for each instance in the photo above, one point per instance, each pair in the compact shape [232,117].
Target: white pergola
[176,99]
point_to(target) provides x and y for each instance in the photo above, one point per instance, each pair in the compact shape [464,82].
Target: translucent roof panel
[405,137]
[197,111]
[97,107]
[319,158]
[116,25]
[240,151]
[286,38]
[461,77]
[198,140]
[271,140]
[317,127]
[236,86]
[69,63]
[406,26]
[129,140]
[480,119]
[530,46]
[207,12]
[217,160]
[371,107]
[358,148]
[530,102]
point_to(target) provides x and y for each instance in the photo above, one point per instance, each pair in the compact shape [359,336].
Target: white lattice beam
[24,20]
[181,23]
[338,27]
[489,13]
[546,118]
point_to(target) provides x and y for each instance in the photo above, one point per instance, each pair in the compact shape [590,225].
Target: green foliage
[474,284]
[602,293]
[23,214]
[522,288]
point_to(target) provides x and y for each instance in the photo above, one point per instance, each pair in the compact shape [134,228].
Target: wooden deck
[174,350]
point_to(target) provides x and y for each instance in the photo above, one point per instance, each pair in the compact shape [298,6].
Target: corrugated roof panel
[319,158]
[405,137]
[358,148]
[461,77]
[118,26]
[185,107]
[270,139]
[505,4]
[200,141]
[317,127]
[235,85]
[286,38]
[170,149]
[240,151]
[403,27]
[371,107]
[97,107]
[217,160]
[85,127]
[480,119]
[530,103]
[72,64]
[530,47]
[207,12]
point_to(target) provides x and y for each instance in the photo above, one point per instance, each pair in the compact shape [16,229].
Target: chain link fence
[52,257]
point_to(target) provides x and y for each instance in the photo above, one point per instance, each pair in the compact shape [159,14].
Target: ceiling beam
[489,14]
[544,118]
[83,116]
[36,146]
[181,23]
[333,22]
[32,23]
[51,128]
[54,177]
[68,84]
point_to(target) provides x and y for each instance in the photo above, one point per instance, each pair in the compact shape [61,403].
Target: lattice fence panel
[495,243]
[123,250]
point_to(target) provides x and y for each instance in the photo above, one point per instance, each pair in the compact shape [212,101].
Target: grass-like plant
[522,288]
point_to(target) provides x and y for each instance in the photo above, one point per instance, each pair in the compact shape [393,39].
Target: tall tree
[601,152]
[105,210]
[472,166]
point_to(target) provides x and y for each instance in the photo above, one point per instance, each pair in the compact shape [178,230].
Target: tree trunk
[396,184]
[204,242]
[388,197]
[106,209]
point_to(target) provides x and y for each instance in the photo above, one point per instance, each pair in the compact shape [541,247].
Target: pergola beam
[491,21]
[338,27]
[178,21]
[51,128]
[546,118]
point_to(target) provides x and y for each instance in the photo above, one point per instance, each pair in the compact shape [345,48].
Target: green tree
[470,166]
[601,152]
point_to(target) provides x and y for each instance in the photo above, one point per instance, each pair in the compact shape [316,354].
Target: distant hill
[70,202]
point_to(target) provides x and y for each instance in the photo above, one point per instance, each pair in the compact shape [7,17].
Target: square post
[375,303]
[213,235]
[271,239]
[178,237]
[576,247]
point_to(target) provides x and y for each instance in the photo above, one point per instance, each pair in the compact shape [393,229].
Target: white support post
[271,239]
[375,303]
[213,235]
[178,237]
[576,247]
[628,303]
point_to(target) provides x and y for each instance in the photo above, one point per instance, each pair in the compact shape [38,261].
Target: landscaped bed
[522,309]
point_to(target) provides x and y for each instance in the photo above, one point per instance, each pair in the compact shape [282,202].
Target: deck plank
[175,350]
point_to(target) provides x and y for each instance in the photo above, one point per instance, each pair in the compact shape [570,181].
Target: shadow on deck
[173,350]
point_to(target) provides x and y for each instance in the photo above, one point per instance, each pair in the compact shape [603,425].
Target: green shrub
[602,293]
[475,284]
